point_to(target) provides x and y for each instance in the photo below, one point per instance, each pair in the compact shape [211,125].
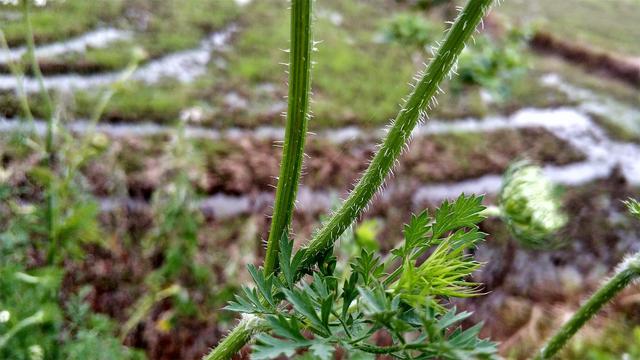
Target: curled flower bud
[529,205]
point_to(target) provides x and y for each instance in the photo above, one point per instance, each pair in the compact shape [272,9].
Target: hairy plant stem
[399,134]
[291,165]
[382,163]
[628,271]
[296,128]
[237,338]
[49,140]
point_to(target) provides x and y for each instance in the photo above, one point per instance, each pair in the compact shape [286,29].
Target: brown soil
[520,283]
[525,288]
[249,166]
[617,66]
[56,67]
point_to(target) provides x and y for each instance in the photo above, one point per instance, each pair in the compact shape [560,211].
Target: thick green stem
[296,128]
[291,166]
[399,134]
[629,270]
[382,163]
[236,339]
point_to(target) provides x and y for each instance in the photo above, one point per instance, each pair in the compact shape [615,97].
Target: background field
[212,71]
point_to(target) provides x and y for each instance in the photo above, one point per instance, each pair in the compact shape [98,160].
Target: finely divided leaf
[303,305]
[415,232]
[466,211]
[263,285]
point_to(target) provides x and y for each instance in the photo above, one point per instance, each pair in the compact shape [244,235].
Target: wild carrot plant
[305,300]
[311,310]
[301,301]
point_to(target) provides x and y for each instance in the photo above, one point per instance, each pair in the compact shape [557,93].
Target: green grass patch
[610,25]
[356,78]
[628,132]
[58,19]
[177,25]
[115,56]
[138,102]
[167,26]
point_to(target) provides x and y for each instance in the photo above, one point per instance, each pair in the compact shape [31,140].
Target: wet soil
[607,64]
[523,286]
[249,166]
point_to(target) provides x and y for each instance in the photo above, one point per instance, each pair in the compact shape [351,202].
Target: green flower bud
[138,54]
[99,142]
[529,205]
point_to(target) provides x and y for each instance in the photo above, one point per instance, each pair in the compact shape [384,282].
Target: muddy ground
[527,290]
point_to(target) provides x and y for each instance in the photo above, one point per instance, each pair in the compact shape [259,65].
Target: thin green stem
[35,68]
[144,306]
[17,72]
[492,211]
[382,163]
[99,110]
[373,349]
[629,270]
[400,132]
[49,140]
[296,128]
[35,319]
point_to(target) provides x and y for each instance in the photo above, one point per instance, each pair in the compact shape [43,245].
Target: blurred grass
[610,25]
[159,27]
[59,19]
[359,79]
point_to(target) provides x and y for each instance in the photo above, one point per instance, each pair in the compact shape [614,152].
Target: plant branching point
[412,112]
